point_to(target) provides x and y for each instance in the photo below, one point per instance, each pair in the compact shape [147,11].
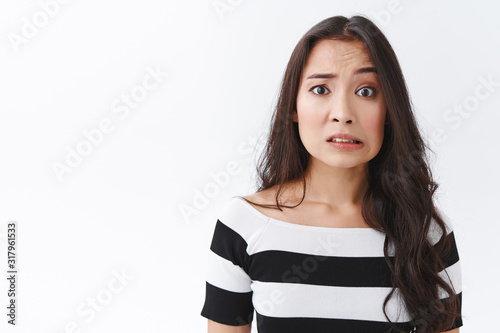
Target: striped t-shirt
[300,278]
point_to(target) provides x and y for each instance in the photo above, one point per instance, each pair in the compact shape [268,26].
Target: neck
[336,187]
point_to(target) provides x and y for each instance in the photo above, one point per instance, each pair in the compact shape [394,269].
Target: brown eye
[366,92]
[320,90]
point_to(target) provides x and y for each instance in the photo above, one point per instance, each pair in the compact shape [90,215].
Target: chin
[344,162]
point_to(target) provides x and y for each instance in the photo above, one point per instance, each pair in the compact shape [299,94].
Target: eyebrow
[330,75]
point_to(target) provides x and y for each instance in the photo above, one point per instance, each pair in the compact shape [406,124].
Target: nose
[342,110]
[343,119]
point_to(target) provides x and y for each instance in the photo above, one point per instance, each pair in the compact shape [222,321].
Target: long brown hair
[399,200]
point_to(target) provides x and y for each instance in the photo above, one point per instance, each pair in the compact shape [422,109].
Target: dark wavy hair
[399,200]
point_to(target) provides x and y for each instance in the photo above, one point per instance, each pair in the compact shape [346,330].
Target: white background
[119,209]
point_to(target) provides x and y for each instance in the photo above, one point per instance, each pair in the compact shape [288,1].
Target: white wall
[119,207]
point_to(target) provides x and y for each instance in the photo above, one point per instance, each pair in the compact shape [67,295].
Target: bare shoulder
[264,197]
[267,197]
[287,195]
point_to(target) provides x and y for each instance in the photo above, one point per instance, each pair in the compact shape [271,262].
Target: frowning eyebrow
[330,75]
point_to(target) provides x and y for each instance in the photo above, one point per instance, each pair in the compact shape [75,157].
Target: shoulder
[263,203]
[289,194]
[264,197]
[239,216]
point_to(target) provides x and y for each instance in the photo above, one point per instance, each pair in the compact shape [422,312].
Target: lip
[346,146]
[343,145]
[344,136]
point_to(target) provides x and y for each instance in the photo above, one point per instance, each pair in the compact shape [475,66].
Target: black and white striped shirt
[300,278]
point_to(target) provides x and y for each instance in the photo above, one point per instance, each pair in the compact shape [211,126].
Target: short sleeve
[228,298]
[452,272]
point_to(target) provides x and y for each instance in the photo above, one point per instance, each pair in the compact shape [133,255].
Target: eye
[319,90]
[365,92]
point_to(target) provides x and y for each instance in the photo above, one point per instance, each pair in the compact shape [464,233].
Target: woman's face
[334,97]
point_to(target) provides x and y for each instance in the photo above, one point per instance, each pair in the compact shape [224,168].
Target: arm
[456,330]
[215,327]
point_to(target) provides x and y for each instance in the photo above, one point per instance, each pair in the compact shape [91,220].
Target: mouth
[344,141]
[343,138]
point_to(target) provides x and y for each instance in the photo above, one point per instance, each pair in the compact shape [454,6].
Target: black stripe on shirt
[320,270]
[451,256]
[458,320]
[323,325]
[227,307]
[228,244]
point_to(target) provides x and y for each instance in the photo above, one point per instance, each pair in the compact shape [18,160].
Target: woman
[343,234]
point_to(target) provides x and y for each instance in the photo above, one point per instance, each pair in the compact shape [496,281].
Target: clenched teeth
[344,141]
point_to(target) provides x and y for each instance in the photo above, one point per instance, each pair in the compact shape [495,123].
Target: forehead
[336,55]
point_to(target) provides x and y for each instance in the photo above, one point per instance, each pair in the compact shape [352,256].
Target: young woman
[343,234]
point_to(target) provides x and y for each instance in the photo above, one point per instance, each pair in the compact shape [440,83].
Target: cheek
[308,114]
[310,118]
[374,124]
